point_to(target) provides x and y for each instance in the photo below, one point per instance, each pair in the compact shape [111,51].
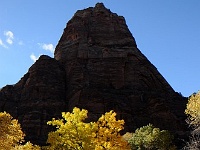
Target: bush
[149,137]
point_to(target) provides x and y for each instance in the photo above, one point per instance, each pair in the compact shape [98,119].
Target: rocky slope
[97,66]
[36,98]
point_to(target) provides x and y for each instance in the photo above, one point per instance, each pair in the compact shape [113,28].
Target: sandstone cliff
[97,66]
[105,70]
[36,98]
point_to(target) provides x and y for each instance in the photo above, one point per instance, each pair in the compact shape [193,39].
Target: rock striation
[97,66]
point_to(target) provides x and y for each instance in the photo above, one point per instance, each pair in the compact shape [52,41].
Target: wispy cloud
[2,44]
[9,37]
[47,47]
[33,57]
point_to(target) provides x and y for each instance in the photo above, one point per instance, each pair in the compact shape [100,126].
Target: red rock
[106,70]
[98,67]
[36,98]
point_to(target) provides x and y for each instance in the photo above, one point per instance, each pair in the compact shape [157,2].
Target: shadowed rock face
[36,98]
[98,67]
[105,70]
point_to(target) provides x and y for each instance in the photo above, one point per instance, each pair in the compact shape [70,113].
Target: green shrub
[151,138]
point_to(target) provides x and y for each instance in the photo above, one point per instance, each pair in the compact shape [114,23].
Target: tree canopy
[73,133]
[149,137]
[193,109]
[11,135]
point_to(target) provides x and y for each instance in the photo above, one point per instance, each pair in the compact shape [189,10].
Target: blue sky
[167,32]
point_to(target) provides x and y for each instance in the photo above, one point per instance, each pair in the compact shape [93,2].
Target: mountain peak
[98,67]
[95,26]
[100,5]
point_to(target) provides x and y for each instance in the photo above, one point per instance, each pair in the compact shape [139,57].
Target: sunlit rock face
[97,66]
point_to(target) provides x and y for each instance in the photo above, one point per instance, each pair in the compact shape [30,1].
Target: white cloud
[2,44]
[47,47]
[10,36]
[33,57]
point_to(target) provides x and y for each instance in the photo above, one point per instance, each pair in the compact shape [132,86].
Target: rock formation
[36,98]
[105,70]
[97,66]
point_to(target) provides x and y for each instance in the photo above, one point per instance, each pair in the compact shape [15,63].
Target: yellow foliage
[27,146]
[73,133]
[11,134]
[193,109]
[127,136]
[107,134]
[10,131]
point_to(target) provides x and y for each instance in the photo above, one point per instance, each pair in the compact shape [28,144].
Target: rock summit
[98,67]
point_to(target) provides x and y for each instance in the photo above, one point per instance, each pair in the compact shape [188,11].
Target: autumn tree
[107,134]
[150,138]
[193,113]
[193,109]
[73,133]
[27,146]
[10,131]
[11,135]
